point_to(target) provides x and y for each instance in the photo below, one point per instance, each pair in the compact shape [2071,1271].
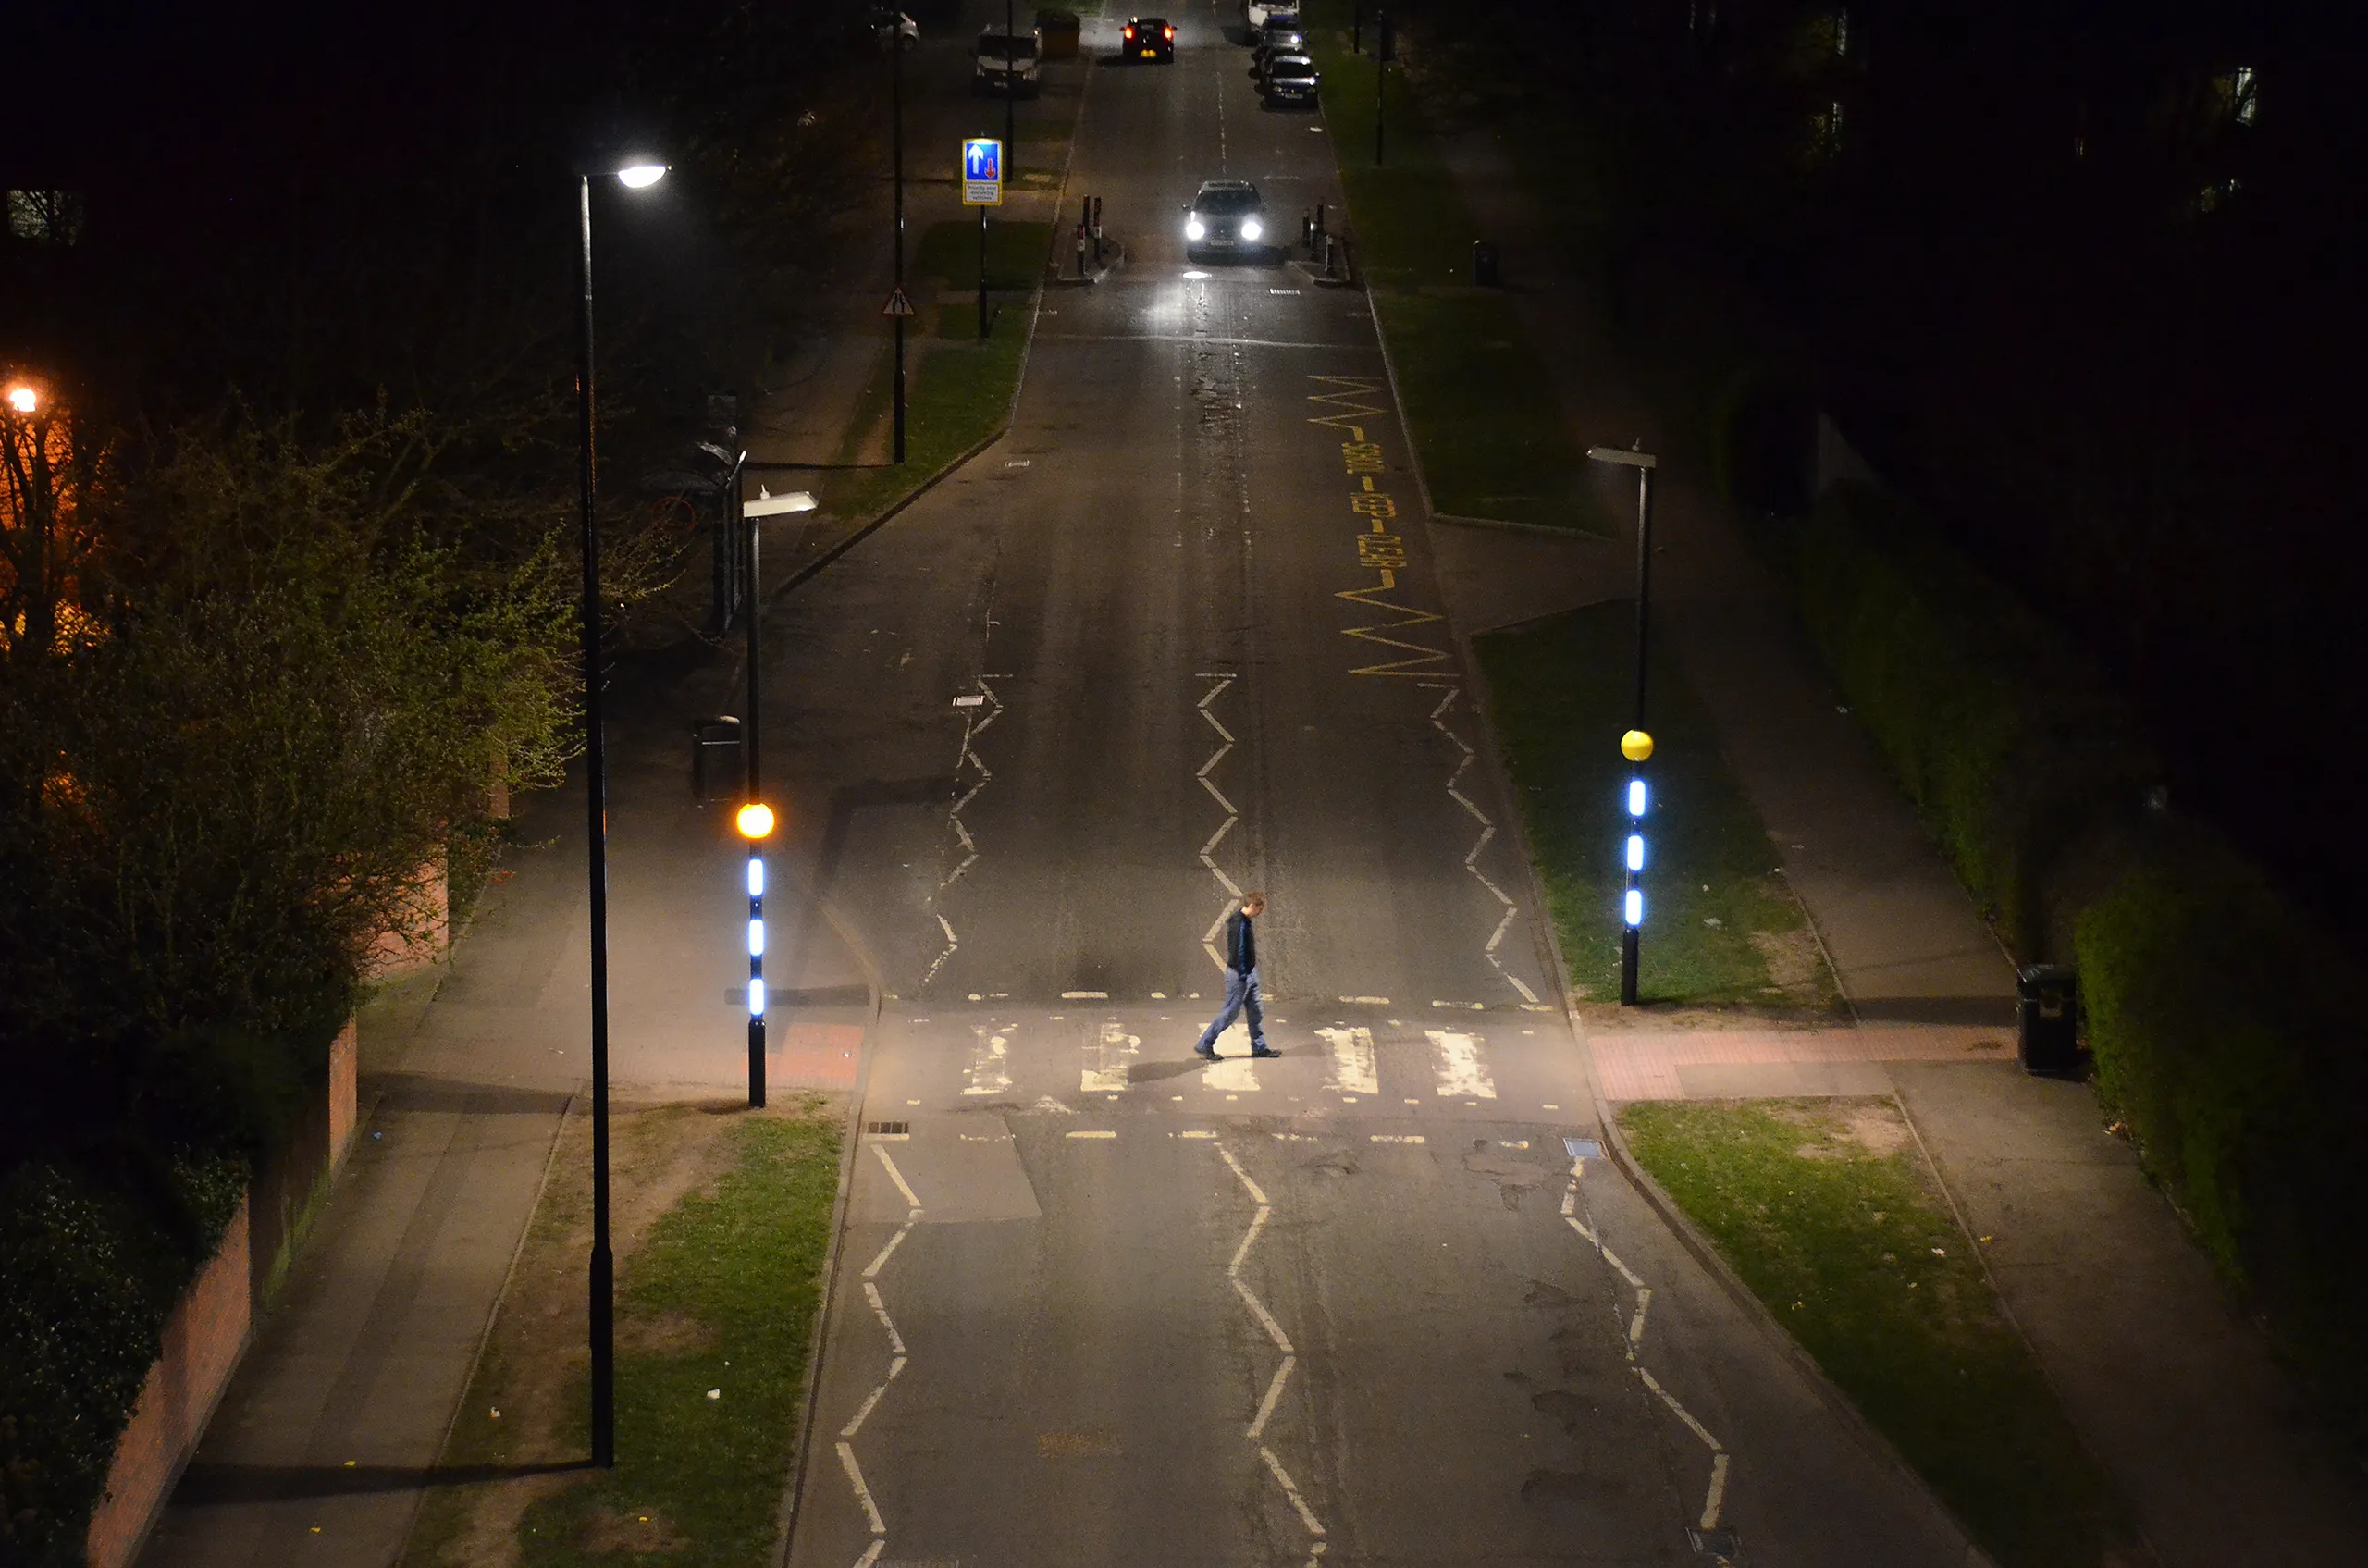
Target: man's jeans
[1240,996]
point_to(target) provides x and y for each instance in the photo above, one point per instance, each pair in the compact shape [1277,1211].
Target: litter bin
[715,759]
[2047,1013]
[1483,264]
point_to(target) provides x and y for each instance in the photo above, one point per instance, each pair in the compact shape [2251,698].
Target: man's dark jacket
[1240,944]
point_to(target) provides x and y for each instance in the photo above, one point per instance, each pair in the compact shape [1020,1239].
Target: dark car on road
[1291,79]
[1228,216]
[1280,37]
[1148,38]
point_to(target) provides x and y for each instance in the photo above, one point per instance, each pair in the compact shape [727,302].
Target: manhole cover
[1583,1148]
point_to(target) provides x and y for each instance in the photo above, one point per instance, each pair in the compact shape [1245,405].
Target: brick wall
[207,1333]
[204,1341]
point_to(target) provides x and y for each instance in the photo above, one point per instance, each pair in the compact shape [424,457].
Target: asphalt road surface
[1178,637]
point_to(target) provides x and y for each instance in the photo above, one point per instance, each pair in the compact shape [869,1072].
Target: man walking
[1240,981]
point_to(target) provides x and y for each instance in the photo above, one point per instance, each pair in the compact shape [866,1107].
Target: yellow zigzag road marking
[1409,616]
[1353,387]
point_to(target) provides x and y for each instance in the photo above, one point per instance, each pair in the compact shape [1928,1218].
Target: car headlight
[1194,229]
[1251,229]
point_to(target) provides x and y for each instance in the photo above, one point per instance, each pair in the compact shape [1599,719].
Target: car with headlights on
[1148,38]
[1291,79]
[1226,217]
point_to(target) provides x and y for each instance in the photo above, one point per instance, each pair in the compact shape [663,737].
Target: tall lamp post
[756,818]
[637,176]
[1385,49]
[1637,745]
[898,39]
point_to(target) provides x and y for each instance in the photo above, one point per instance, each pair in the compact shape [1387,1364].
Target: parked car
[1008,62]
[1228,216]
[1256,13]
[1279,38]
[1291,79]
[1148,38]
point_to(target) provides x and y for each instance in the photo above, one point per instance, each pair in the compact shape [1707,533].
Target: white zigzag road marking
[1232,890]
[1282,1342]
[1714,1499]
[976,721]
[1487,831]
[898,1359]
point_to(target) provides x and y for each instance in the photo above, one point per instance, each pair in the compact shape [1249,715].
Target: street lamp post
[633,177]
[756,818]
[1637,745]
[1383,50]
[896,101]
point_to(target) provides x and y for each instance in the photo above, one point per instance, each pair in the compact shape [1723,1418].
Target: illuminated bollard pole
[1637,745]
[756,818]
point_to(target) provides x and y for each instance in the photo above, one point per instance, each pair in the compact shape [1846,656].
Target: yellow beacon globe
[1636,745]
[755,820]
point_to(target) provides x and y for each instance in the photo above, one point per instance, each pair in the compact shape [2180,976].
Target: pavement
[2169,1386]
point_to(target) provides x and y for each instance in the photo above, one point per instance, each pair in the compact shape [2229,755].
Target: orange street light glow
[755,820]
[23,399]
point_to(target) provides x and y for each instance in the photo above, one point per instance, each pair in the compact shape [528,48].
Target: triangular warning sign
[897,304]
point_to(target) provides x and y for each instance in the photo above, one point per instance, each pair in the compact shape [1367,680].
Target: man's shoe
[1206,1055]
[1262,1051]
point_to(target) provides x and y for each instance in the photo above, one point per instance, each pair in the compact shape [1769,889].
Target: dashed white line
[1097,1133]
[1472,860]
[898,1177]
[862,1495]
[1353,1067]
[1461,1071]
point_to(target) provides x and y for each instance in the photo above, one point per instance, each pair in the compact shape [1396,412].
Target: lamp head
[755,821]
[640,176]
[24,398]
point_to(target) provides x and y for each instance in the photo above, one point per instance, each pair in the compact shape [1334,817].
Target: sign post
[981,188]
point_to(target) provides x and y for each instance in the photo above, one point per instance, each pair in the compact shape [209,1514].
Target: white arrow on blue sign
[981,172]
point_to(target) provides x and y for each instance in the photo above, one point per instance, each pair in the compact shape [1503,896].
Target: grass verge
[1482,408]
[724,1223]
[958,390]
[1721,926]
[1826,1210]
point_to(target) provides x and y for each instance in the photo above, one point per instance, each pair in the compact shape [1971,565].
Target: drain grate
[887,1129]
[1719,1546]
[1583,1148]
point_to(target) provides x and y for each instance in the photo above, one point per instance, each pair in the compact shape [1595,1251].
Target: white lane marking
[977,718]
[864,1411]
[1367,1001]
[1232,888]
[1460,1065]
[1714,1500]
[1394,1138]
[1235,1074]
[880,1311]
[1274,1393]
[1085,995]
[1472,860]
[1085,1134]
[989,1063]
[898,1177]
[870,1554]
[1353,1067]
[1248,1239]
[862,1495]
[1290,1489]
[1265,1319]
[1109,1061]
[871,1270]
[1196,1134]
[1257,1194]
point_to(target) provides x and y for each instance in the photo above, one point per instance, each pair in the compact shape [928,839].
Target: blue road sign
[981,172]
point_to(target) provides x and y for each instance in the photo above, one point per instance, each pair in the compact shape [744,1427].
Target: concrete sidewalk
[2175,1395]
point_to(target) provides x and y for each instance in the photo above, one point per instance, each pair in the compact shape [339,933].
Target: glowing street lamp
[24,399]
[637,176]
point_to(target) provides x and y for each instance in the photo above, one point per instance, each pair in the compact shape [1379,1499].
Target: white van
[1008,62]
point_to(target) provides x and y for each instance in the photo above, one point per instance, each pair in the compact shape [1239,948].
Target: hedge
[2228,1032]
[95,1265]
[2004,735]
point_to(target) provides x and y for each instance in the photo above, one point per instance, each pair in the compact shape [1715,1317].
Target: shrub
[1998,729]
[2227,1033]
